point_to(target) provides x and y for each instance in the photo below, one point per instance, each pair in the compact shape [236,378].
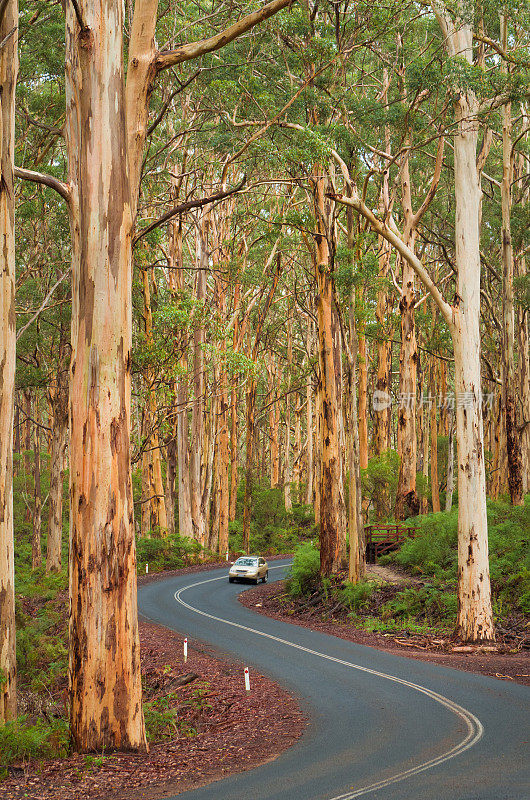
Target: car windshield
[246,562]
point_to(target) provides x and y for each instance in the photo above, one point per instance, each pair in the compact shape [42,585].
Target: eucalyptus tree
[104,172]
[8,77]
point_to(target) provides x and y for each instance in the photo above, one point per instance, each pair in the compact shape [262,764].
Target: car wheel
[265,577]
[256,581]
[230,580]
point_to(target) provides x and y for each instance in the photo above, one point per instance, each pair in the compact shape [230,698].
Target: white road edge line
[475,729]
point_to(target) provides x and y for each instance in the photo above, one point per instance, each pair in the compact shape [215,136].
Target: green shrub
[305,570]
[20,741]
[428,603]
[164,553]
[161,718]
[433,551]
[356,595]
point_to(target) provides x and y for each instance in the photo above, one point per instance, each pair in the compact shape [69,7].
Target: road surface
[382,727]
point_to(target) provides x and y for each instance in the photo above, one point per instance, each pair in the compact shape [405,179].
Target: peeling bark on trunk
[197,447]
[523,409]
[513,440]
[407,502]
[330,475]
[8,77]
[383,383]
[233,454]
[104,667]
[475,617]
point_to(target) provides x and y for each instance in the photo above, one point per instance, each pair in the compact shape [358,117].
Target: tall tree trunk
[178,448]
[407,502]
[523,417]
[475,618]
[297,466]
[309,423]
[423,420]
[36,511]
[363,400]
[513,439]
[59,401]
[197,447]
[233,454]
[274,425]
[8,79]
[357,546]
[104,669]
[435,486]
[154,498]
[27,430]
[450,465]
[330,475]
[250,425]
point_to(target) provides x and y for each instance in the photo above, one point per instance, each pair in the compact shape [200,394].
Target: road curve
[381,726]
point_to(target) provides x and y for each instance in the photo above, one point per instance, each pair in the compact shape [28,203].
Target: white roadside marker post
[146,568]
[247,680]
[185,650]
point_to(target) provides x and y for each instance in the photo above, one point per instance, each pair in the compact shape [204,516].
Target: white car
[250,568]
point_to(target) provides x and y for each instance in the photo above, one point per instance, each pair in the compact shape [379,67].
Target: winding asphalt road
[381,726]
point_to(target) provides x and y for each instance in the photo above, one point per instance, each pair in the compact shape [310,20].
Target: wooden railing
[382,539]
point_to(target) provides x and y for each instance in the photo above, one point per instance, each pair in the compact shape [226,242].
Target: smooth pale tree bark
[509,385]
[197,446]
[8,79]
[407,501]
[474,618]
[331,499]
[523,371]
[104,667]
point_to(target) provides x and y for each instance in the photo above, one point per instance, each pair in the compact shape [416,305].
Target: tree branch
[396,241]
[187,52]
[43,304]
[7,38]
[181,209]
[46,180]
